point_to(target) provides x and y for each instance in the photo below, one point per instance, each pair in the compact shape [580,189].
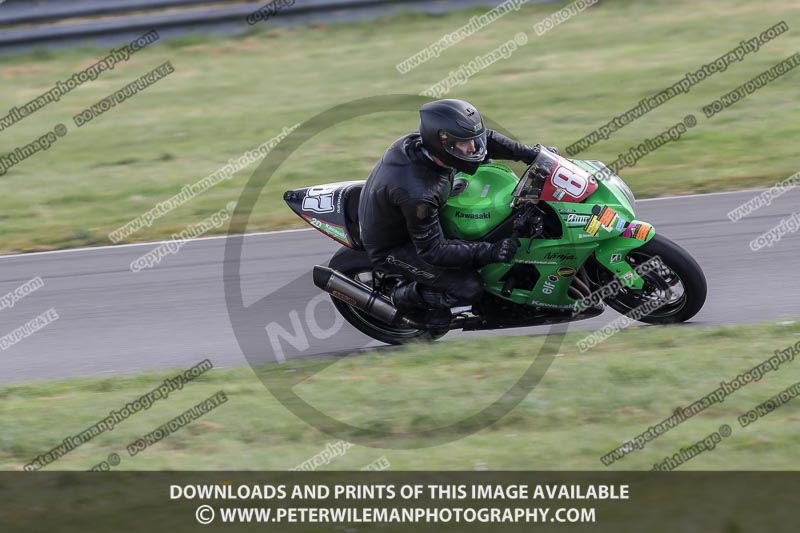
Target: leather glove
[499,252]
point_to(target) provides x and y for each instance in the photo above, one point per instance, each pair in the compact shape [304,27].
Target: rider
[400,203]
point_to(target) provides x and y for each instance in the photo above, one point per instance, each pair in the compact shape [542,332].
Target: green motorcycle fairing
[603,224]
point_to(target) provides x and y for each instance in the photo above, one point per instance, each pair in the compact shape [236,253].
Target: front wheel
[675,290]
[356,265]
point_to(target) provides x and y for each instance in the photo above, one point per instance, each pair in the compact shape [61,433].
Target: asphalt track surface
[114,321]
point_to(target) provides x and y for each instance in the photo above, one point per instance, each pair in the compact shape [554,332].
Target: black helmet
[443,123]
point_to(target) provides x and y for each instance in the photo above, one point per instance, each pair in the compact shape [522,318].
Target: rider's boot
[410,302]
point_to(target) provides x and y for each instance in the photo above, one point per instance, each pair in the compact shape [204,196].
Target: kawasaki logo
[331,229]
[460,214]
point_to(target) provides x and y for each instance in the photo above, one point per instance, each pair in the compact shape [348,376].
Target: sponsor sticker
[593,226]
[642,232]
[537,303]
[550,285]
[577,220]
[629,230]
[333,230]
[607,216]
[603,217]
[566,271]
[534,262]
[343,297]
[637,231]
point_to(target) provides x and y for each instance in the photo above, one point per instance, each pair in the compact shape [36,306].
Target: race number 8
[574,184]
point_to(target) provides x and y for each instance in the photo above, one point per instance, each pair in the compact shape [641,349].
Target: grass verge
[229,95]
[585,406]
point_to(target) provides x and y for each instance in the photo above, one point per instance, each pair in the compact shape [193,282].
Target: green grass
[229,95]
[585,406]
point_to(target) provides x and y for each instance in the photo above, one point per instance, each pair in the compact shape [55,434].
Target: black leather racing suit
[399,219]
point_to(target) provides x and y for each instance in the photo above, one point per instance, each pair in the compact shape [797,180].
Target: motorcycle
[578,236]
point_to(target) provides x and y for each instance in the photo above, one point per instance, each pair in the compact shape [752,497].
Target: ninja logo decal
[560,256]
[319,199]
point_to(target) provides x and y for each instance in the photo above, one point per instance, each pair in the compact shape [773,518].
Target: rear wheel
[675,290]
[356,265]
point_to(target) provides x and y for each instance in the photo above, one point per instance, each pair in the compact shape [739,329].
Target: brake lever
[538,229]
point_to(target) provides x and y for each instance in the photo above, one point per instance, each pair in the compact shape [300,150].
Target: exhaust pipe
[358,295]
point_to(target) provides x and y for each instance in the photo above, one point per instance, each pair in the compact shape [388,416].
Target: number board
[568,183]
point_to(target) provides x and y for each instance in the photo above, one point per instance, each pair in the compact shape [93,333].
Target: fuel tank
[479,202]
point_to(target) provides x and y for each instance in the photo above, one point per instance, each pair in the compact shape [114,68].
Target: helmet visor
[467,149]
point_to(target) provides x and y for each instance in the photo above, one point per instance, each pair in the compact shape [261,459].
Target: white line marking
[155,243]
[277,232]
[700,195]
